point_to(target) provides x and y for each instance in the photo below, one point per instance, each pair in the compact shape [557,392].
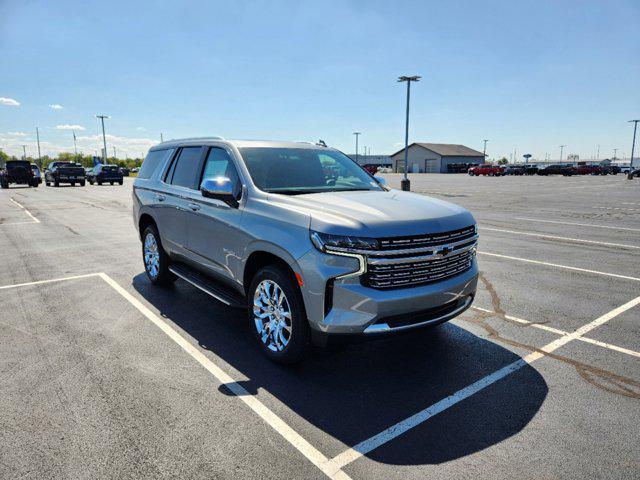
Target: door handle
[194,206]
[161,198]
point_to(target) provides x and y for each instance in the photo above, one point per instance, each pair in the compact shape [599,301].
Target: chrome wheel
[151,255]
[272,315]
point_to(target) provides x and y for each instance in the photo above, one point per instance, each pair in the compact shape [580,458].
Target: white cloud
[17,134]
[70,127]
[141,129]
[9,101]
[56,106]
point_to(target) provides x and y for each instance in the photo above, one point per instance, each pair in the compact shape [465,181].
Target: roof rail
[211,137]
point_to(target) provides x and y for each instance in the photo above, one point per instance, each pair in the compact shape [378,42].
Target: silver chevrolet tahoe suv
[303,238]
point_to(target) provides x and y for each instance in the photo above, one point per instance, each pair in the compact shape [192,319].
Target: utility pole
[598,153]
[115,157]
[104,137]
[38,139]
[24,152]
[615,152]
[561,150]
[405,184]
[633,145]
[484,150]
[357,134]
[161,139]
[75,144]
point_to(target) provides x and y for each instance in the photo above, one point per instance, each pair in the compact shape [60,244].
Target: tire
[47,184]
[4,185]
[471,174]
[73,184]
[292,343]
[82,184]
[91,182]
[56,183]
[120,182]
[160,275]
[110,183]
[99,183]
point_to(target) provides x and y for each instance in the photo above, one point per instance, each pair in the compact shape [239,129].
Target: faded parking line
[566,239]
[565,267]
[557,331]
[353,453]
[35,220]
[579,224]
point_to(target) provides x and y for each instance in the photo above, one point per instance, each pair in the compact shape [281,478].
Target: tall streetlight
[24,152]
[633,145]
[405,184]
[484,150]
[561,150]
[104,137]
[114,153]
[75,144]
[357,134]
[161,139]
[38,140]
[615,152]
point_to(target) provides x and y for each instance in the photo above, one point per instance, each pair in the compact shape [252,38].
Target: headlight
[325,241]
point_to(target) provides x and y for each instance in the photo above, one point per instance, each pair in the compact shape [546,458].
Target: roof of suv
[237,143]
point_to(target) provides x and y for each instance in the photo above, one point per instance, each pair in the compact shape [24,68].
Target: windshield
[294,171]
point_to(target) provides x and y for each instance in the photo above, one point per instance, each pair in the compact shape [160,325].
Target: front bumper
[352,308]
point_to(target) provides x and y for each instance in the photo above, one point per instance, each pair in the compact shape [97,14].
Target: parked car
[124,171]
[18,172]
[515,170]
[589,170]
[64,172]
[105,174]
[612,169]
[555,170]
[530,170]
[490,170]
[260,226]
[36,172]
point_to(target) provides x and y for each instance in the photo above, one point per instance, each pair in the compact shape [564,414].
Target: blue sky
[528,75]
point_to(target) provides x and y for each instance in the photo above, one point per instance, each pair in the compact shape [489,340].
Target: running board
[208,286]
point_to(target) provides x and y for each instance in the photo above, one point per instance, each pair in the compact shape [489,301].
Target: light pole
[357,134]
[561,150]
[24,152]
[104,137]
[405,184]
[633,145]
[484,150]
[615,152]
[38,140]
[75,144]
[115,157]
[598,154]
[161,139]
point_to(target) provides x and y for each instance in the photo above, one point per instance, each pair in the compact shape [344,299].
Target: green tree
[503,161]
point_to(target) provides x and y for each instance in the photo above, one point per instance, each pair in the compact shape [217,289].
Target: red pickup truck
[491,170]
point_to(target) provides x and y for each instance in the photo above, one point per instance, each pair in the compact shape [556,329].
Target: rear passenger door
[181,181]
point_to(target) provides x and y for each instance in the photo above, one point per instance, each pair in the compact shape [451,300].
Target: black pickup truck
[19,172]
[64,172]
[105,174]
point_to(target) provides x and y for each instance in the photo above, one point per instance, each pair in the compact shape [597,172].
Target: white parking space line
[353,453]
[565,267]
[557,331]
[35,220]
[288,433]
[627,229]
[566,239]
[41,282]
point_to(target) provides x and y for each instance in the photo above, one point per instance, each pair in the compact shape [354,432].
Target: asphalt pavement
[103,375]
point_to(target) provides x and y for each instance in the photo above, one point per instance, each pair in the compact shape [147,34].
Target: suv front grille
[451,255]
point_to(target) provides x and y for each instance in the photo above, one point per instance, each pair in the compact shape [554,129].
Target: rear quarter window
[152,162]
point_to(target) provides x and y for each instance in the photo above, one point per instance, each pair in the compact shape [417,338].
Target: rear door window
[185,171]
[152,162]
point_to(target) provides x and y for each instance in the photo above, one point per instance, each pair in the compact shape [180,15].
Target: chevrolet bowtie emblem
[444,251]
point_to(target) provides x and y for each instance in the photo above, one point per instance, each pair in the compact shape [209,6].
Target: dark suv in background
[105,174]
[18,172]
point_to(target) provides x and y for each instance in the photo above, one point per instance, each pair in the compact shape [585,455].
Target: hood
[377,213]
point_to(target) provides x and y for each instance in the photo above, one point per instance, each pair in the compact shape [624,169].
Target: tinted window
[153,160]
[219,164]
[305,170]
[185,172]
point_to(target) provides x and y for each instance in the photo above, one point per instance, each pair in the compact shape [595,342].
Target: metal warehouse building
[436,158]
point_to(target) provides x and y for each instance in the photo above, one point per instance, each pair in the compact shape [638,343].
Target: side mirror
[381,181]
[219,188]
